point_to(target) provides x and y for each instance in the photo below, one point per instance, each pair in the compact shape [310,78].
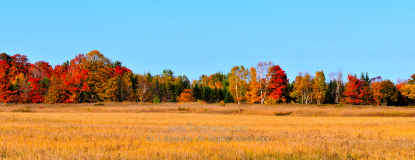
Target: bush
[186,96]
[156,100]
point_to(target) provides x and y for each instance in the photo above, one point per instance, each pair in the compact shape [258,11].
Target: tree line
[91,78]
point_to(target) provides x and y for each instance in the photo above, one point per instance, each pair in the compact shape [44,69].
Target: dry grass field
[194,131]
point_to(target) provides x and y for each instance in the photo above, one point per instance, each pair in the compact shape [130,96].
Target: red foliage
[41,70]
[19,64]
[278,83]
[357,91]
[120,70]
[75,79]
[4,81]
[36,91]
[39,73]
[12,68]
[73,76]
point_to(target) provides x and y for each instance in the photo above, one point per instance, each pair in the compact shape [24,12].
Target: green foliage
[156,100]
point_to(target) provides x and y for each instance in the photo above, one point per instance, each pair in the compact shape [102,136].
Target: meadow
[205,131]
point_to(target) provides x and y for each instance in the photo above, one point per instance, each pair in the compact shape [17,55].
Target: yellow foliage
[252,95]
[408,90]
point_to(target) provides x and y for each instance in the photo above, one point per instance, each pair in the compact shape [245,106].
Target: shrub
[156,100]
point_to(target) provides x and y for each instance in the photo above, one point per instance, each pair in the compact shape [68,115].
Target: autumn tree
[57,92]
[408,90]
[4,78]
[278,85]
[352,90]
[319,87]
[357,91]
[238,83]
[297,92]
[75,80]
[412,80]
[390,93]
[253,88]
[376,89]
[264,78]
[303,91]
[366,82]
[186,96]
[39,79]
[100,70]
[143,87]
[119,88]
[18,76]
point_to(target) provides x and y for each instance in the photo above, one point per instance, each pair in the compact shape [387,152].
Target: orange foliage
[186,96]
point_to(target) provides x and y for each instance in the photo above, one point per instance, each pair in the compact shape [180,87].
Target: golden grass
[270,110]
[124,131]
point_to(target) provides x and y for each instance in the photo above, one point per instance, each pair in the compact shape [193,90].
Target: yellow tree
[307,90]
[408,90]
[143,88]
[376,89]
[119,88]
[253,89]
[237,83]
[99,74]
[297,92]
[319,87]
[412,80]
[303,89]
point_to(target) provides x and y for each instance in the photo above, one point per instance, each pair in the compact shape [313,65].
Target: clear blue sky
[201,37]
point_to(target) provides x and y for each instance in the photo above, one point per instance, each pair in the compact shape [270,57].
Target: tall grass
[171,136]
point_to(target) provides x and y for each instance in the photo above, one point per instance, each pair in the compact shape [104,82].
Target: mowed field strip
[85,134]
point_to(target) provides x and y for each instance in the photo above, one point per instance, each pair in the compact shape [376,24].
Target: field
[201,131]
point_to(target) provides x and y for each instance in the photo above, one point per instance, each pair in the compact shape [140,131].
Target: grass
[23,109]
[283,113]
[266,110]
[194,131]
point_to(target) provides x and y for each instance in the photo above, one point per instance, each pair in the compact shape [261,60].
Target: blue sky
[202,37]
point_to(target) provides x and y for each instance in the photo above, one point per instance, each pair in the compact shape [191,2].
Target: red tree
[278,84]
[357,91]
[40,74]
[4,81]
[16,74]
[75,79]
